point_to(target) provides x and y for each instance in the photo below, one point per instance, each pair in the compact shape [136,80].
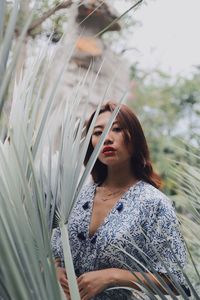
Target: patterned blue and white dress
[142,223]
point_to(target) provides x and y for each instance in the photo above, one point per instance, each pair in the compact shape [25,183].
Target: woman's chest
[100,211]
[111,225]
[106,248]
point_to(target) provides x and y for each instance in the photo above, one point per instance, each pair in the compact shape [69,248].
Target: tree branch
[49,13]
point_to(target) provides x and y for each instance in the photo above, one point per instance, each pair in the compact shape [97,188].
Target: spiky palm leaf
[31,199]
[186,176]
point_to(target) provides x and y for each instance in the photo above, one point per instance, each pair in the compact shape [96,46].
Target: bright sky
[169,36]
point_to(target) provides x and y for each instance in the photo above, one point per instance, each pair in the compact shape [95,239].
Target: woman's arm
[92,283]
[121,277]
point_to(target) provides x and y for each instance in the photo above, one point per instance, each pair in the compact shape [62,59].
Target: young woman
[122,225]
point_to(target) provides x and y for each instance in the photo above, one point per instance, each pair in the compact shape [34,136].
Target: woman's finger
[85,297]
[64,284]
[83,293]
[79,280]
[81,285]
[66,289]
[68,296]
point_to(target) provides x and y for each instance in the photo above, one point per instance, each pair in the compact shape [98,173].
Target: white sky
[169,36]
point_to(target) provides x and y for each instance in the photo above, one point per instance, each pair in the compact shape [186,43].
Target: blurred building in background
[88,24]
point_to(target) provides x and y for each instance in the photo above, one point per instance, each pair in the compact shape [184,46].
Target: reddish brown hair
[134,135]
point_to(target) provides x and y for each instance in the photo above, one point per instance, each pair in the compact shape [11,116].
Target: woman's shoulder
[88,188]
[154,205]
[86,192]
[153,197]
[83,199]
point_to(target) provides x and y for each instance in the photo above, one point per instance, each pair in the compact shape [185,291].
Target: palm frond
[185,174]
[6,47]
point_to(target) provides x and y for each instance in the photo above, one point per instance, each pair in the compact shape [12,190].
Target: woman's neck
[119,177]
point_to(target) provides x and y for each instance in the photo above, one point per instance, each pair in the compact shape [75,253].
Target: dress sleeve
[165,241]
[56,244]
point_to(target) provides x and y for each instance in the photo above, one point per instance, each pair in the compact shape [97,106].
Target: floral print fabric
[142,223]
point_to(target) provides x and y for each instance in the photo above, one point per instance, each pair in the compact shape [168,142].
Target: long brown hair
[134,135]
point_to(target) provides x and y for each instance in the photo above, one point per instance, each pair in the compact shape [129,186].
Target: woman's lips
[108,151]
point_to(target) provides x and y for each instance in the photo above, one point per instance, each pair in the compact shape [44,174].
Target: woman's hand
[62,278]
[92,283]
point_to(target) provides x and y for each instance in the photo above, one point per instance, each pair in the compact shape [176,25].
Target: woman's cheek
[94,141]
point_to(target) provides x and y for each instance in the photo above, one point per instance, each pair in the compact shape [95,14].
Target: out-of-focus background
[150,50]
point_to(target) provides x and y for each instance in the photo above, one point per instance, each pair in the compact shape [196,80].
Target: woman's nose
[108,139]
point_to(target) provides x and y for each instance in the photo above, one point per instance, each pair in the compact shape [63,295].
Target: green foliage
[186,177]
[27,208]
[26,265]
[168,110]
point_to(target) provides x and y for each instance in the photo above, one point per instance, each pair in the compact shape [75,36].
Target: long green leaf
[69,264]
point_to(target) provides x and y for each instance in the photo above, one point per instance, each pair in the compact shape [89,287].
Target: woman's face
[114,151]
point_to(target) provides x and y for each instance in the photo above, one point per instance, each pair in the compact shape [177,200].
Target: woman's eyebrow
[98,126]
[102,126]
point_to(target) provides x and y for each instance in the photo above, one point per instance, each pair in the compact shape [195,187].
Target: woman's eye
[97,133]
[117,129]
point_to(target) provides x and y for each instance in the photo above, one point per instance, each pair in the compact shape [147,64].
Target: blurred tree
[45,12]
[169,111]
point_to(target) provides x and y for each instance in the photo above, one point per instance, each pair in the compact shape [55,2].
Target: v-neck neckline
[107,217]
